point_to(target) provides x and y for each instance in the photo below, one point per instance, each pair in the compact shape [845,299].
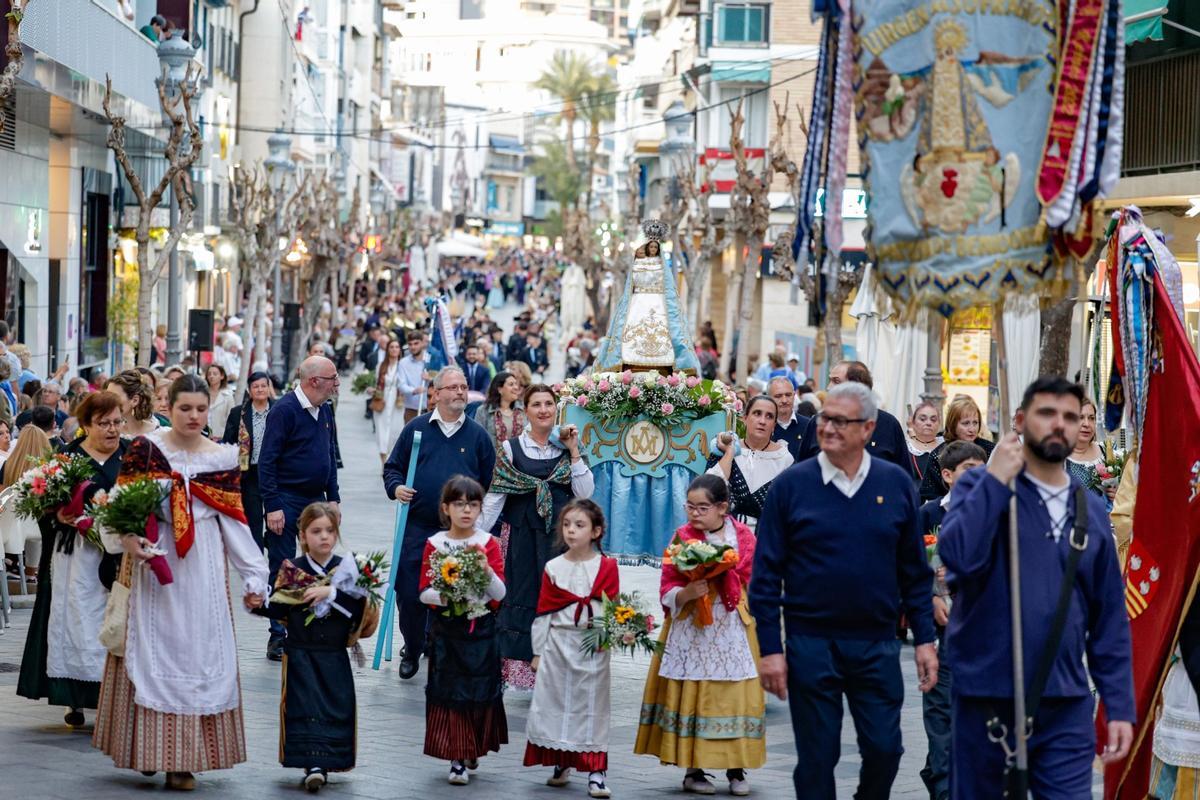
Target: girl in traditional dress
[464,700]
[390,421]
[317,712]
[63,660]
[703,705]
[569,715]
[534,479]
[749,466]
[171,702]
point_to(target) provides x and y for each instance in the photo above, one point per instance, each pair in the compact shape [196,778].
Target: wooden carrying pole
[1018,775]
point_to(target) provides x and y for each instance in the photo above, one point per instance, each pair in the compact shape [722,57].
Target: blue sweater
[297,455]
[840,567]
[887,443]
[468,452]
[974,547]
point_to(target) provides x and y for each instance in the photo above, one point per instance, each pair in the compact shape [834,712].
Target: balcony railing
[1162,115]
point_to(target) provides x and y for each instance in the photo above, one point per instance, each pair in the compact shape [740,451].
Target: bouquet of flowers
[363,382]
[133,508]
[935,561]
[55,483]
[622,625]
[460,576]
[698,560]
[371,568]
[1107,474]
[662,399]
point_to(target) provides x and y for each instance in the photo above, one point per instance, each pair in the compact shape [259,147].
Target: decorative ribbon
[1070,97]
[1109,123]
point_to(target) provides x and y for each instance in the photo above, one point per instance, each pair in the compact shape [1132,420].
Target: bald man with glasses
[297,465]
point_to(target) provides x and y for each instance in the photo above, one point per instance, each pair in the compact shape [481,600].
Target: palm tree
[568,78]
[561,181]
[597,107]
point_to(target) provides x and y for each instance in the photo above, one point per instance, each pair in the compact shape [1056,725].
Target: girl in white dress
[569,715]
[390,421]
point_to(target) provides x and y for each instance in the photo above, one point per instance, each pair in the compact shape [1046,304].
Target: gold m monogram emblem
[644,442]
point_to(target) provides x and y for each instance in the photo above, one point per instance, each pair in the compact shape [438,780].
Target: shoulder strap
[1078,543]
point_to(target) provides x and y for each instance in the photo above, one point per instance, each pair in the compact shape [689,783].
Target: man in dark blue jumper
[974,547]
[839,550]
[451,444]
[887,441]
[788,426]
[297,465]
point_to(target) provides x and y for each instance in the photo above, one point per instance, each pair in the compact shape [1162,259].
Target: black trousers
[253,505]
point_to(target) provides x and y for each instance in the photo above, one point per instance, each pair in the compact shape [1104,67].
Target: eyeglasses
[110,425]
[333,377]
[466,505]
[702,508]
[838,423]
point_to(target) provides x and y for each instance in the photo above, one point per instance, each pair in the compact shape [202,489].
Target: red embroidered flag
[1166,534]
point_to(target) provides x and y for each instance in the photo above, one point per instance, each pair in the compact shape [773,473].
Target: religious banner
[954,104]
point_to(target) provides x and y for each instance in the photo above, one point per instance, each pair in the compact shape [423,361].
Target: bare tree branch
[14,56]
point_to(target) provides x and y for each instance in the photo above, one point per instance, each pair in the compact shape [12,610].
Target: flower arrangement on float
[662,399]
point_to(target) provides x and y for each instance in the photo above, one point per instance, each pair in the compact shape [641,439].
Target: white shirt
[845,485]
[1054,498]
[412,378]
[582,482]
[785,425]
[306,404]
[449,427]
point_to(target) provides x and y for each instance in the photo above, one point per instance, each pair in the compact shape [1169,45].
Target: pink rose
[705,400]
[673,380]
[582,400]
[649,623]
[628,638]
[737,406]
[634,393]
[605,386]
[627,377]
[667,409]
[662,381]
[692,382]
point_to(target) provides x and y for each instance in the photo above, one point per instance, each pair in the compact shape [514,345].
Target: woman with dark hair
[751,464]
[64,661]
[159,711]
[137,402]
[245,428]
[500,414]
[220,398]
[536,474]
[390,421]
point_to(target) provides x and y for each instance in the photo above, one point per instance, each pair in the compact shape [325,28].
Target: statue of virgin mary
[648,329]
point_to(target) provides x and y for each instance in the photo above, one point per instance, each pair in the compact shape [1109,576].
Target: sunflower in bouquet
[699,560]
[460,576]
[622,625]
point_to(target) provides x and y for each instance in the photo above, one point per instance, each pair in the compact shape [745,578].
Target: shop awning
[506,144]
[741,72]
[1144,20]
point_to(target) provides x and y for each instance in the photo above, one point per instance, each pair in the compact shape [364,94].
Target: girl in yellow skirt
[703,705]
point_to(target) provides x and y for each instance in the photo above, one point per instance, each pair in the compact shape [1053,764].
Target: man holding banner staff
[1055,540]
[451,444]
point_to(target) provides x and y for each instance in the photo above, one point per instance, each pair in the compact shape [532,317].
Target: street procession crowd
[849,532]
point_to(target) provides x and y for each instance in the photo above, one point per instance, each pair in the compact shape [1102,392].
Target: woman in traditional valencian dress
[703,706]
[534,479]
[749,466]
[172,703]
[63,660]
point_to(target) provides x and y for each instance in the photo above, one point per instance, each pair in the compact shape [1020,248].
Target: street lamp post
[174,55]
[279,165]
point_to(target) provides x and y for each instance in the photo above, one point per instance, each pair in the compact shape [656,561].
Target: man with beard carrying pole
[1072,601]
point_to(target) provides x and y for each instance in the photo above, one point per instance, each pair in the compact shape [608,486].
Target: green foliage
[563,182]
[122,311]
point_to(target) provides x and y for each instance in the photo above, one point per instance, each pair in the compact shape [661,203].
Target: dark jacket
[242,417]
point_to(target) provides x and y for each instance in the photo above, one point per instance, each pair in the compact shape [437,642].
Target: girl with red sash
[569,715]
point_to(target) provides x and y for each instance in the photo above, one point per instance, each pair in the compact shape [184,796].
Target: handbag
[116,620]
[377,404]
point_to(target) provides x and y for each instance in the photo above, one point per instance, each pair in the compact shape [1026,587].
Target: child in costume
[317,709]
[464,702]
[569,714]
[703,706]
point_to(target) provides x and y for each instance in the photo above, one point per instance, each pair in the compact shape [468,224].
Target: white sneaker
[697,783]
[458,774]
[561,777]
[597,787]
[738,785]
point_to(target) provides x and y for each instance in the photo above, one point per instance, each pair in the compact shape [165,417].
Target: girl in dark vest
[537,473]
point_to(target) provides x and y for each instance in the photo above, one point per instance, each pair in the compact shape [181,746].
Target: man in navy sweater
[974,547]
[451,444]
[887,440]
[788,426]
[842,563]
[297,465]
